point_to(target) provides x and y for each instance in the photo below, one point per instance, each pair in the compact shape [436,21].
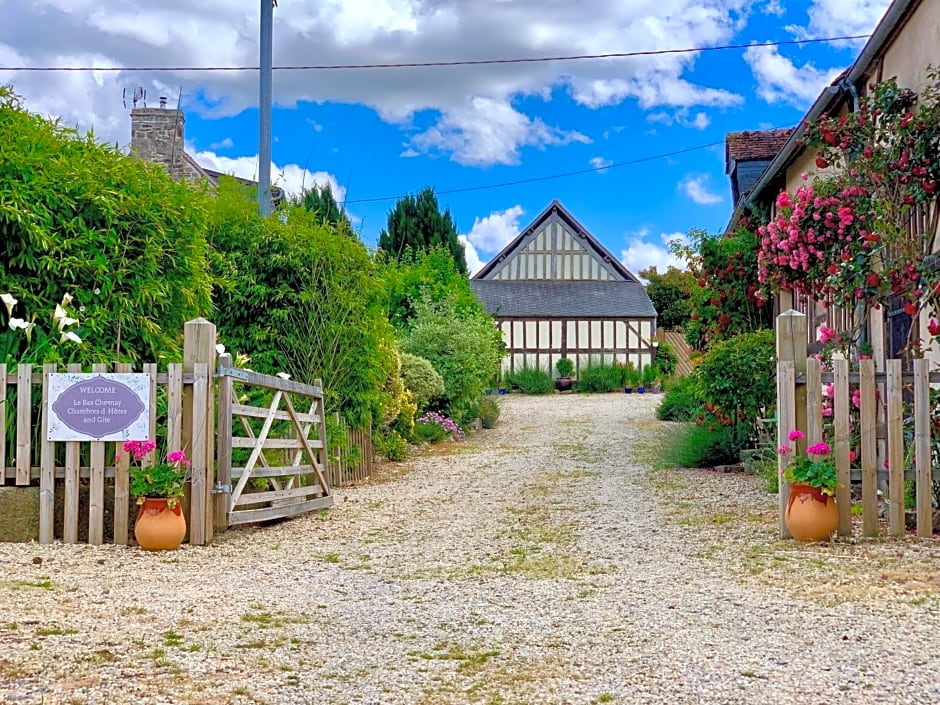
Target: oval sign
[98,406]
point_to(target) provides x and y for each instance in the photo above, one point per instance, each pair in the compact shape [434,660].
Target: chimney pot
[162,101]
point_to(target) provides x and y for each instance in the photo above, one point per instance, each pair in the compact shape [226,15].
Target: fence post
[922,465]
[224,472]
[199,424]
[791,397]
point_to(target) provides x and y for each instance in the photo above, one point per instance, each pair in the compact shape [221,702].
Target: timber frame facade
[556,292]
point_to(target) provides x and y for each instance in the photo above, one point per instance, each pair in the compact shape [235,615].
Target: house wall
[157,136]
[540,343]
[915,47]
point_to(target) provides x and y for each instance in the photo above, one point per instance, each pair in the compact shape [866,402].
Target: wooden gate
[278,470]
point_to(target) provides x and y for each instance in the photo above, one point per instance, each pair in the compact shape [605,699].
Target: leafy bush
[295,295]
[125,240]
[682,401]
[736,378]
[444,425]
[464,346]
[488,411]
[424,382]
[599,377]
[529,380]
[666,361]
[696,446]
[564,366]
[425,432]
[390,446]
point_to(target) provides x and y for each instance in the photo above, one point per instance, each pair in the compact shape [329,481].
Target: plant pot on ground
[811,513]
[160,524]
[565,367]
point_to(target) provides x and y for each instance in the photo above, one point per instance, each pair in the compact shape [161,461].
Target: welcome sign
[98,407]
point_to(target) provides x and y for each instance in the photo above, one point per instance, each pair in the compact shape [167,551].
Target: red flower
[873,279]
[821,162]
[910,309]
[933,327]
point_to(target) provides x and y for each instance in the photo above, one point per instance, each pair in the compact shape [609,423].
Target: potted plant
[647,378]
[811,513]
[631,377]
[160,524]
[565,367]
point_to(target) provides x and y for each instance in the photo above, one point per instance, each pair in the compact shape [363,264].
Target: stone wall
[157,136]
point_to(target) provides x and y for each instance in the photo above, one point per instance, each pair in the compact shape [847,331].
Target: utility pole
[264,107]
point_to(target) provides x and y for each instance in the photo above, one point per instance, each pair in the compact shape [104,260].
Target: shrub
[424,382]
[465,347]
[696,446]
[682,401]
[434,427]
[390,446]
[666,361]
[736,378]
[424,432]
[488,411]
[529,380]
[564,366]
[599,377]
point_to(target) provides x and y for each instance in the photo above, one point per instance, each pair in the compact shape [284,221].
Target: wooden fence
[882,432]
[76,475]
[353,467]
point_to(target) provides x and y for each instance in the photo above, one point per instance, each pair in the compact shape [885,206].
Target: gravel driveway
[541,562]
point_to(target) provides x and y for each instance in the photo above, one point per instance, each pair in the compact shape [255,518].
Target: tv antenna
[138,96]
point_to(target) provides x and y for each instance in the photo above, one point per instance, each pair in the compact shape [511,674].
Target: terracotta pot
[563,384]
[811,514]
[159,528]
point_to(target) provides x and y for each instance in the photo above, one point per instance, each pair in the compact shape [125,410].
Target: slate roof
[554,299]
[754,145]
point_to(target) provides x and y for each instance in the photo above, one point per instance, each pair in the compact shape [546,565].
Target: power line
[435,64]
[549,177]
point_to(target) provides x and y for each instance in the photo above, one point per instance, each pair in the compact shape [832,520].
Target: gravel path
[541,562]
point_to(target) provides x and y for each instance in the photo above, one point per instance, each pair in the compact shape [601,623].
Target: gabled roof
[590,242]
[754,145]
[564,299]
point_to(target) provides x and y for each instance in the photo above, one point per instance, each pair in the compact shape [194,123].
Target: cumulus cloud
[780,80]
[600,162]
[831,18]
[493,232]
[293,178]
[699,121]
[474,111]
[696,188]
[474,263]
[642,251]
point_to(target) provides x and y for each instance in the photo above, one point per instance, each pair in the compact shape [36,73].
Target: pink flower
[819,449]
[857,398]
[177,456]
[825,334]
[796,435]
[829,390]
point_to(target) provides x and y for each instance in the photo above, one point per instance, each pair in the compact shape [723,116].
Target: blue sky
[382,133]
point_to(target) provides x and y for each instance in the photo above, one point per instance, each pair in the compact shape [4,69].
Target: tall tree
[320,200]
[417,223]
[670,293]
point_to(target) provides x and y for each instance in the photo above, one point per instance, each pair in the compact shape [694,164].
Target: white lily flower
[69,335]
[63,322]
[16,323]
[9,301]
[283,375]
[66,299]
[59,313]
[220,349]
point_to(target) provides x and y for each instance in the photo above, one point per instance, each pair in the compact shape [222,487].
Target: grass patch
[43,582]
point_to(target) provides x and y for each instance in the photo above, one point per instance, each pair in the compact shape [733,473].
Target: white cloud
[640,253]
[223,33]
[227,143]
[474,264]
[488,131]
[293,178]
[696,188]
[493,232]
[779,79]
[680,117]
[600,162]
[701,121]
[773,7]
[831,18]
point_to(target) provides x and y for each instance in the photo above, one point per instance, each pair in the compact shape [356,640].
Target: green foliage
[429,274]
[162,480]
[736,378]
[694,446]
[320,201]
[488,410]
[416,223]
[666,361]
[727,300]
[648,376]
[816,467]
[564,366]
[422,380]
[116,233]
[682,401]
[529,380]
[670,293]
[598,376]
[390,446]
[428,432]
[295,297]
[36,338]
[465,347]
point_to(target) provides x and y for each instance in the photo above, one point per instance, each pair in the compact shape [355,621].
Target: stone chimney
[157,136]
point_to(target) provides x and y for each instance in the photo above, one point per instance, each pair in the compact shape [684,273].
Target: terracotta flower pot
[159,528]
[811,514]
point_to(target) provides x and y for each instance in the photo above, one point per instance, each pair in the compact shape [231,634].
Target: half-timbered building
[555,291]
